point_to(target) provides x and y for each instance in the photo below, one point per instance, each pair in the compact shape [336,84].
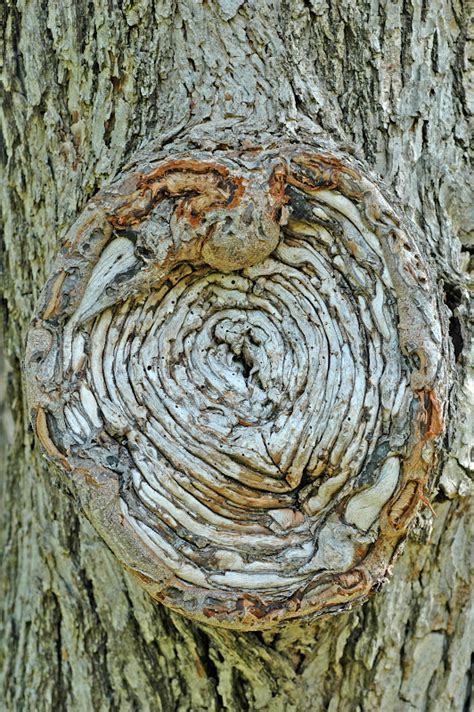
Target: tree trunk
[84,86]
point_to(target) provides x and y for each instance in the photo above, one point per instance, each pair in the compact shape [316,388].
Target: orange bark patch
[431,421]
[201,186]
[405,504]
[351,581]
[53,303]
[416,469]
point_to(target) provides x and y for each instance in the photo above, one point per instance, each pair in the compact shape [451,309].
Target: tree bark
[84,85]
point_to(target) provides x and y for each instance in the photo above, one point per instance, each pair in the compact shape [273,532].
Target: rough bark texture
[84,86]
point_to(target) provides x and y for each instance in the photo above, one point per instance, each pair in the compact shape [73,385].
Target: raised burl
[239,364]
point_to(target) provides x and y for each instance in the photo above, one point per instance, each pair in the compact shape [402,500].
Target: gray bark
[83,87]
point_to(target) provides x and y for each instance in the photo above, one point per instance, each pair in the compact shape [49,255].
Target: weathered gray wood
[227,367]
[83,87]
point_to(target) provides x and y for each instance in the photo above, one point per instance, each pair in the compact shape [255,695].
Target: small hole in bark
[244,367]
[455,334]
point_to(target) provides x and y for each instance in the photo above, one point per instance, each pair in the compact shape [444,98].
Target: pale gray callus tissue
[240,363]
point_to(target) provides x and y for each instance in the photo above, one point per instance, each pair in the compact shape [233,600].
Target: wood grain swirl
[239,362]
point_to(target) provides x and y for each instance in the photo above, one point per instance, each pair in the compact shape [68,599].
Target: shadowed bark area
[84,85]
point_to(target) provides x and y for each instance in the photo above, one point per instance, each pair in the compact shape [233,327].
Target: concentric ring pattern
[239,361]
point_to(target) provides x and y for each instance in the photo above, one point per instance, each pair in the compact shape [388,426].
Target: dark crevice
[209,665]
[456,337]
[150,653]
[109,126]
[59,692]
[95,640]
[467,702]
[453,299]
[243,366]
[239,689]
